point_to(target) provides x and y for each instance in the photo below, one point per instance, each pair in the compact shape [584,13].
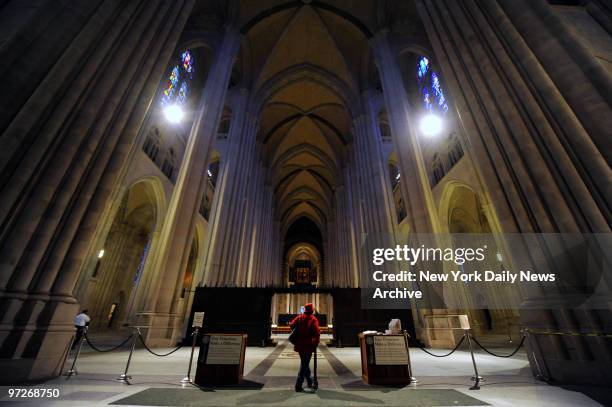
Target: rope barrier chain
[156,354]
[500,356]
[447,354]
[94,347]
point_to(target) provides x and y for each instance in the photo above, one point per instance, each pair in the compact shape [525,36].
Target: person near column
[308,336]
[80,322]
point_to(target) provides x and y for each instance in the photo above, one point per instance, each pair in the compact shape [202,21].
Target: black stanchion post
[476,378]
[532,346]
[198,322]
[187,379]
[125,377]
[73,370]
[413,380]
[315,379]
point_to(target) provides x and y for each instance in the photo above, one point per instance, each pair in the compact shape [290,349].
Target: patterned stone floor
[270,374]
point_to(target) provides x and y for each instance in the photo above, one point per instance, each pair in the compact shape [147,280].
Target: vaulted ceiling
[307,61]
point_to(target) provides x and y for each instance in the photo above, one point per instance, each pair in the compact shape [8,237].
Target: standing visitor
[80,322]
[307,335]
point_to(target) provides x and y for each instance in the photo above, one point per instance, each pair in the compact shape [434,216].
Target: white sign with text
[390,350]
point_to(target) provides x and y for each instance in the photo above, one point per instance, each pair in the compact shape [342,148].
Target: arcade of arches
[295,135]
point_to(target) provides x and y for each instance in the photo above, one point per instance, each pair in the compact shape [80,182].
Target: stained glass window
[426,98]
[432,95]
[422,68]
[438,94]
[187,61]
[182,95]
[171,86]
[177,87]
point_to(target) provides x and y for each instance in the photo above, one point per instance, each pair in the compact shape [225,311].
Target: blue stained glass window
[422,68]
[438,93]
[432,95]
[171,86]
[177,87]
[187,61]
[182,95]
[426,98]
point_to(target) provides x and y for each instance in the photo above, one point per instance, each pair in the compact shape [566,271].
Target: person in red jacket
[308,339]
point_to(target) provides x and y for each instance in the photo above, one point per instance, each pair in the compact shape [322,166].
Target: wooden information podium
[384,359]
[221,359]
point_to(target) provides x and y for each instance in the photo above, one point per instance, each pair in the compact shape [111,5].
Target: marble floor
[270,373]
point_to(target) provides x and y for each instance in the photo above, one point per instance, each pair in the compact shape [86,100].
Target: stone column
[85,83]
[221,231]
[535,105]
[416,192]
[178,227]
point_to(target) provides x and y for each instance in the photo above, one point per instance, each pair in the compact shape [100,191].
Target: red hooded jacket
[308,332]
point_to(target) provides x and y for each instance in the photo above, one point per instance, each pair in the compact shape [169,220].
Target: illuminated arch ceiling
[306,61]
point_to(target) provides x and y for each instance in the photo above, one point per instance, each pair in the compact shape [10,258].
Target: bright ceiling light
[101,254]
[174,114]
[431,125]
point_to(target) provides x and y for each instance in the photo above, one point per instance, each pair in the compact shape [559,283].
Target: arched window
[394,175]
[455,151]
[395,178]
[383,126]
[225,123]
[176,90]
[224,127]
[151,144]
[437,169]
[168,165]
[432,95]
[191,263]
[211,177]
[212,173]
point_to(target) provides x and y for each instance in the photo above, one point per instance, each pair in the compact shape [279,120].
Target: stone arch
[305,251]
[462,212]
[451,191]
[119,274]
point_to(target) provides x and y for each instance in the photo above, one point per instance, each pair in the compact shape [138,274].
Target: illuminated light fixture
[101,254]
[174,114]
[499,257]
[209,173]
[431,125]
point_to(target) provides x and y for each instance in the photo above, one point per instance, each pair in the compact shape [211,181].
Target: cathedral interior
[160,156]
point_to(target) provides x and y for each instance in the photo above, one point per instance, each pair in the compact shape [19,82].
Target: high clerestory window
[151,144]
[430,88]
[169,164]
[455,151]
[437,169]
[177,89]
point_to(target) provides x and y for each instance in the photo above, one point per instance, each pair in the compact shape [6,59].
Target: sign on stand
[198,320]
[384,359]
[221,359]
[224,350]
[390,350]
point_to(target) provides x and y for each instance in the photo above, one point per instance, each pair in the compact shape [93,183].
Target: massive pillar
[535,105]
[367,199]
[419,206]
[223,249]
[80,77]
[178,228]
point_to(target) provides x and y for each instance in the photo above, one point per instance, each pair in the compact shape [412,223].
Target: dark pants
[79,336]
[304,372]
